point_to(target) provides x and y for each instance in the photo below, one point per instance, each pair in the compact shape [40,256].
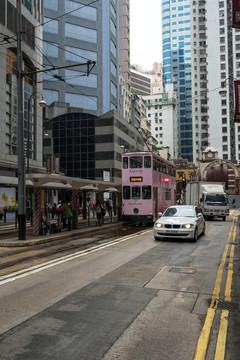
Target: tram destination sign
[136,179]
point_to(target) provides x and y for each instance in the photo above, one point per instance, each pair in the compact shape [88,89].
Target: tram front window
[125,163]
[136,192]
[136,162]
[126,192]
[147,162]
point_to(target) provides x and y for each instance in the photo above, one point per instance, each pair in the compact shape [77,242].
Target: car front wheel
[195,235]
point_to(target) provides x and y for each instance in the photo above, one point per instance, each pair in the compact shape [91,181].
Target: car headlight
[187,226]
[158,225]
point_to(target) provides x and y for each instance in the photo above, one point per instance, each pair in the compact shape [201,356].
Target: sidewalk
[9,234]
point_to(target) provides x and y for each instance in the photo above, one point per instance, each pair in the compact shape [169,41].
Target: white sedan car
[180,222]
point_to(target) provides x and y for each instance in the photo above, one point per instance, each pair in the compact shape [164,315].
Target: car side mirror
[160,214]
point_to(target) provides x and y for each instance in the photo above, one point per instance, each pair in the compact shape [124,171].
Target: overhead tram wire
[53,44]
[60,16]
[34,60]
[61,48]
[81,93]
[41,53]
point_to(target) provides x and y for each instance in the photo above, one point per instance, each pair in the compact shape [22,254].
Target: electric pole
[21,165]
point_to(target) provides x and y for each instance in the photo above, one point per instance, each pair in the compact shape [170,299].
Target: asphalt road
[130,298]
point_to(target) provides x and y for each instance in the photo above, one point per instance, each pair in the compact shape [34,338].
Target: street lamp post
[46,134]
[42,104]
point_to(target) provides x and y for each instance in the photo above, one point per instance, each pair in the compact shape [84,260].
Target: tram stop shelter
[39,182]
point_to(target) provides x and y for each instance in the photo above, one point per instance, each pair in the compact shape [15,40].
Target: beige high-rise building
[124,58]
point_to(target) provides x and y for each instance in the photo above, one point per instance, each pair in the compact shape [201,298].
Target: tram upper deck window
[125,163]
[156,165]
[147,162]
[136,162]
[126,192]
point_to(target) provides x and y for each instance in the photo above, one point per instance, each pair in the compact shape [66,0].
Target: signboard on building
[237,101]
[48,165]
[106,175]
[236,14]
[56,165]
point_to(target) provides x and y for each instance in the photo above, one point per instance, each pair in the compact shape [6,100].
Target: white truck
[210,197]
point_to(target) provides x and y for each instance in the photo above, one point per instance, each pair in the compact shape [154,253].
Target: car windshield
[216,199]
[179,212]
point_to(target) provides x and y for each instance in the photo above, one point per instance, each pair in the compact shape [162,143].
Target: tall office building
[216,62]
[76,32]
[177,63]
[124,59]
[31,44]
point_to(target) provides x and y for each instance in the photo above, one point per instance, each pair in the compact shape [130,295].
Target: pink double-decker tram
[148,186]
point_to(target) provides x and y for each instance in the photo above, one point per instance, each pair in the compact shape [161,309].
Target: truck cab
[214,204]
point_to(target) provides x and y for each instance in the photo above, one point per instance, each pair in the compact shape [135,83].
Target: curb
[64,235]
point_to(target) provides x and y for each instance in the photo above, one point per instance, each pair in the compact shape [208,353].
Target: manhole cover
[226,305]
[182,270]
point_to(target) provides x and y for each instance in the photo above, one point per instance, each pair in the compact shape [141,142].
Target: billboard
[8,201]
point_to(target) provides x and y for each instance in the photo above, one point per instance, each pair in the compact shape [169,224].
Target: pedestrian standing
[110,206]
[53,210]
[103,210]
[98,213]
[66,211]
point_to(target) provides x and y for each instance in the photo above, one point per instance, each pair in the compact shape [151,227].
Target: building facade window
[80,33]
[81,10]
[50,25]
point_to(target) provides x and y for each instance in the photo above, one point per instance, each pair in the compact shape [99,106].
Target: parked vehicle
[210,197]
[148,186]
[180,222]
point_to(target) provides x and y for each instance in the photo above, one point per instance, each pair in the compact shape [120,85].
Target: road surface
[130,298]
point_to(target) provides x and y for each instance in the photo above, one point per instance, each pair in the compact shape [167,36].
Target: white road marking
[37,268]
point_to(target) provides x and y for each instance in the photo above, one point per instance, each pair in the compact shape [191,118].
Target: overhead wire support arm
[88,63]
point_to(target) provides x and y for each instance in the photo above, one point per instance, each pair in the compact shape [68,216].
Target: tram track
[17,259]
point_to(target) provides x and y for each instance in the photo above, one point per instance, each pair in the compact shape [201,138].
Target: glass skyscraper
[176,39]
[76,31]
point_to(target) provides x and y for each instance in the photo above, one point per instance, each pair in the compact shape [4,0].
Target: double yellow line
[203,340]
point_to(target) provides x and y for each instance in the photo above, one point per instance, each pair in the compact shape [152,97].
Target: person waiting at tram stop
[98,210]
[103,210]
[109,206]
[66,211]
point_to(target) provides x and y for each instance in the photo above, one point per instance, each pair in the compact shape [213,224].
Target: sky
[145,32]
